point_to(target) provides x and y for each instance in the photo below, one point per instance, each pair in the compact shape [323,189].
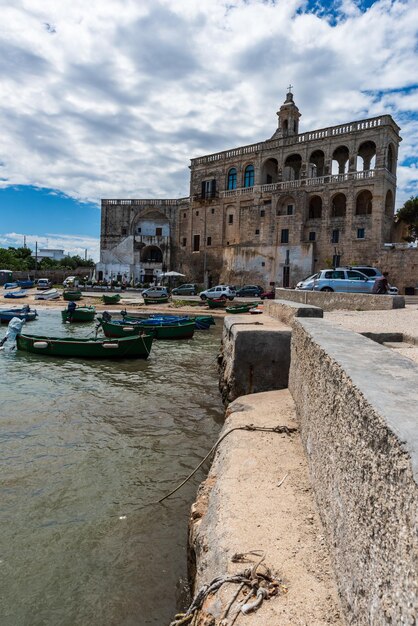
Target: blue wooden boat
[24,313]
[22,293]
[10,285]
[26,284]
[202,322]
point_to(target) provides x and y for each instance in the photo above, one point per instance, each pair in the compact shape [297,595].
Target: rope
[261,585]
[248,427]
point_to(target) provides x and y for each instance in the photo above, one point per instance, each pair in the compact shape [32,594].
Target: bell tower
[288,117]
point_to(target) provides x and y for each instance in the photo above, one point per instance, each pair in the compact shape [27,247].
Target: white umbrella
[172,274]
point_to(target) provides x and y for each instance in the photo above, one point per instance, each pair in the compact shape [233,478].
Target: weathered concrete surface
[255,355]
[331,301]
[241,507]
[357,405]
[286,311]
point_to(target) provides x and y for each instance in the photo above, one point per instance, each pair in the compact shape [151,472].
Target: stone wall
[332,301]
[356,402]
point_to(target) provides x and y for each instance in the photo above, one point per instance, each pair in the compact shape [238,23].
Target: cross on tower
[290,88]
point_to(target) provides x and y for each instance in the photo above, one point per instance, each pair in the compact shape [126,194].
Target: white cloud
[71,244]
[111,98]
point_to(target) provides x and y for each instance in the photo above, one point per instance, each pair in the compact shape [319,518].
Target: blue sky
[111,98]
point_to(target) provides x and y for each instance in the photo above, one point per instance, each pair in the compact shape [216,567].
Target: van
[44,283]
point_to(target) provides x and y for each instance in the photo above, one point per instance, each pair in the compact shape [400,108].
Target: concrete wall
[332,301]
[356,401]
[255,356]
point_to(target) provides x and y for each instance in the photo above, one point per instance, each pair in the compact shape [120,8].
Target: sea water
[85,445]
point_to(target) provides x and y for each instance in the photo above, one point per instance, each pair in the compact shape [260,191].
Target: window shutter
[203,189]
[213,188]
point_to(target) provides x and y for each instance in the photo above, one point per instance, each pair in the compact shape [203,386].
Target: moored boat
[135,347]
[21,293]
[162,329]
[202,322]
[244,307]
[79,314]
[24,313]
[49,294]
[216,303]
[111,298]
[72,295]
[155,299]
[26,284]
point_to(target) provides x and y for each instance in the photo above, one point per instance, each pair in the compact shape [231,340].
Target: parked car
[374,273]
[44,283]
[155,292]
[339,279]
[220,291]
[189,289]
[71,281]
[250,290]
[269,295]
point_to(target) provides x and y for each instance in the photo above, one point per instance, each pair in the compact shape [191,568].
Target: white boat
[50,294]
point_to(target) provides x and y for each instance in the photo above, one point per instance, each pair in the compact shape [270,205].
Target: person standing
[381,284]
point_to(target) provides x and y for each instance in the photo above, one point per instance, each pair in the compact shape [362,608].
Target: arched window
[316,164]
[249,176]
[269,172]
[390,159]
[340,159]
[389,205]
[151,254]
[338,205]
[364,203]
[232,178]
[315,208]
[366,156]
[292,167]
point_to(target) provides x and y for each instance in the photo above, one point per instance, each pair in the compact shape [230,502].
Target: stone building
[266,213]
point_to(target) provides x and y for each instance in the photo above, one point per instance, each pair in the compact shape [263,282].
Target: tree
[409,215]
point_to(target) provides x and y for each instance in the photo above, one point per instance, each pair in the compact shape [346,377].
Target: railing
[151,202]
[302,182]
[315,135]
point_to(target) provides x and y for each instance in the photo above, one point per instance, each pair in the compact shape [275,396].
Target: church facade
[269,213]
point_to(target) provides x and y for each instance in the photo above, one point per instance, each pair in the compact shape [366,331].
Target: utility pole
[36,258]
[85,254]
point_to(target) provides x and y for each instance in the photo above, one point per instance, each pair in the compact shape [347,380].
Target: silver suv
[339,279]
[220,291]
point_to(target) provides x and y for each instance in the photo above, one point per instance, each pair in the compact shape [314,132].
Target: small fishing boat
[202,322]
[25,284]
[10,285]
[72,294]
[155,299]
[162,329]
[49,294]
[136,347]
[21,293]
[111,298]
[79,314]
[243,307]
[216,303]
[24,313]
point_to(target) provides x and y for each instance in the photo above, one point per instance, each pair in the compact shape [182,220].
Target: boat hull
[172,330]
[138,347]
[80,314]
[7,315]
[155,300]
[22,293]
[72,295]
[111,299]
[217,304]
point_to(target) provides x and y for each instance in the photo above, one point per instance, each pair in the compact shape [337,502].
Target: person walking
[381,284]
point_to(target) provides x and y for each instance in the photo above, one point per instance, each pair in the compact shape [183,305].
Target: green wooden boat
[80,314]
[244,307]
[216,303]
[173,330]
[154,300]
[111,298]
[72,295]
[136,347]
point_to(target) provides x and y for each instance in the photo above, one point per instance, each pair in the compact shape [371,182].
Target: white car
[44,283]
[71,281]
[220,291]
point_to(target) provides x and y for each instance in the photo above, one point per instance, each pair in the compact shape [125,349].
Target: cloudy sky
[111,98]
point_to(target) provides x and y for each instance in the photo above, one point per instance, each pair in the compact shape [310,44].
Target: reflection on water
[84,445]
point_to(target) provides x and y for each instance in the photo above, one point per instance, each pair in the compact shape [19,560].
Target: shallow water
[84,445]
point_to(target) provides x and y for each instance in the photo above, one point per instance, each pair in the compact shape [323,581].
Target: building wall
[303,209]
